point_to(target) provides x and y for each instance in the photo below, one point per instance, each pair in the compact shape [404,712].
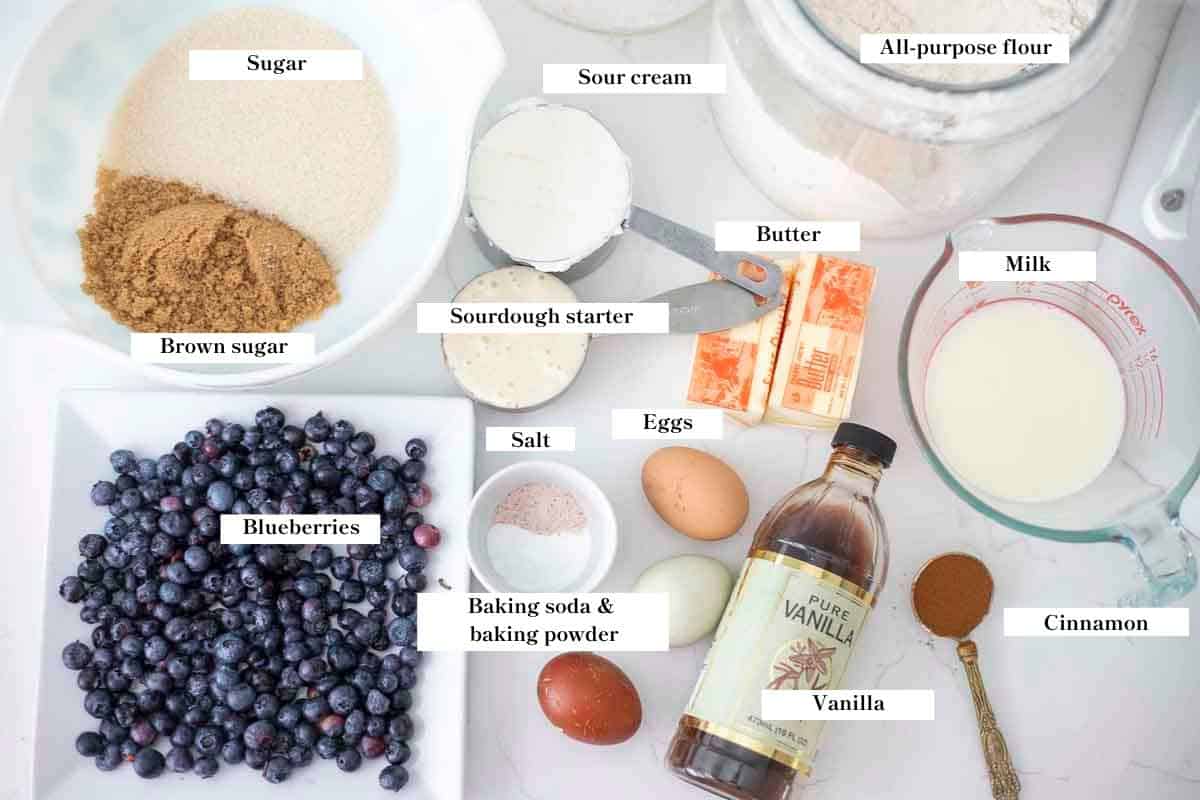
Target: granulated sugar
[317,154]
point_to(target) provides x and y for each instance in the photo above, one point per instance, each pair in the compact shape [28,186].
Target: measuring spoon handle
[1005,783]
[701,249]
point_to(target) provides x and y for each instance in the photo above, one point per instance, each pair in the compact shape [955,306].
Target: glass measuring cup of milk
[1144,324]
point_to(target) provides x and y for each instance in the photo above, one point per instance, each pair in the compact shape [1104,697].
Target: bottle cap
[866,439]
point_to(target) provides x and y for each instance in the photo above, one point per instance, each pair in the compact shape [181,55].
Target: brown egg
[695,493]
[589,698]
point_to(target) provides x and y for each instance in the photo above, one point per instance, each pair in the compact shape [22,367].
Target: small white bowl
[602,521]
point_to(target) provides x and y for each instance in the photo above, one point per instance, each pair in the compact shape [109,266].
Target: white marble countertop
[1089,719]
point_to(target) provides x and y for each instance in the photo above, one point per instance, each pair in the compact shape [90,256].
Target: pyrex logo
[1115,299]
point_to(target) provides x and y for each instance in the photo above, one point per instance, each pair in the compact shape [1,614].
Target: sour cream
[520,370]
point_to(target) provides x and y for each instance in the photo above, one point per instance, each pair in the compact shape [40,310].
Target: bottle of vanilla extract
[817,562]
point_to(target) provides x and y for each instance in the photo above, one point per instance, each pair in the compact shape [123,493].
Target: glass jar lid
[843,21]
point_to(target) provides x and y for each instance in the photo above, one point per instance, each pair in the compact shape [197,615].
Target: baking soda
[317,154]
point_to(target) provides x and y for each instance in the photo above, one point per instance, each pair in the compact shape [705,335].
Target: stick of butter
[732,369]
[816,370]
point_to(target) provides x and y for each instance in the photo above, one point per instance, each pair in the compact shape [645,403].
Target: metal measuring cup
[679,239]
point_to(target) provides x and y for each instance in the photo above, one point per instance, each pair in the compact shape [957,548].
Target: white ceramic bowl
[602,522]
[436,60]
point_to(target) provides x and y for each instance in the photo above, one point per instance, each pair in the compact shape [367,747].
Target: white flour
[847,19]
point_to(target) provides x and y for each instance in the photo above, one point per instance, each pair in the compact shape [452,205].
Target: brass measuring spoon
[933,591]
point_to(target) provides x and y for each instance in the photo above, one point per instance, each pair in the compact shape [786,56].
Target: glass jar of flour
[619,16]
[905,149]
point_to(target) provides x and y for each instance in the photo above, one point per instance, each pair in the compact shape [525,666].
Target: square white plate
[90,425]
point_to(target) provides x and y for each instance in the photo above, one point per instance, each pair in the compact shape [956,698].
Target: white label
[222,348]
[501,440]
[633,79]
[1027,265]
[796,704]
[788,236]
[964,48]
[1086,622]
[497,623]
[668,423]
[299,529]
[275,65]
[543,318]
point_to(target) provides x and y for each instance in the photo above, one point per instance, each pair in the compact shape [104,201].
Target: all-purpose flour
[848,19]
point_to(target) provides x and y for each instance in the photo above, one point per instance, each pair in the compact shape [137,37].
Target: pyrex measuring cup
[1150,322]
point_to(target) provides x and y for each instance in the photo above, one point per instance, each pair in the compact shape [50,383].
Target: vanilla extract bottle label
[789,625]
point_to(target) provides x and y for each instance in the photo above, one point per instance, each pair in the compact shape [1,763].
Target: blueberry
[321,557]
[170,469]
[232,433]
[277,769]
[206,766]
[89,744]
[233,752]
[257,759]
[413,558]
[209,740]
[362,443]
[98,703]
[240,697]
[149,763]
[372,572]
[110,758]
[402,631]
[71,589]
[343,431]
[269,419]
[259,735]
[381,481]
[393,777]
[400,727]
[122,461]
[326,747]
[412,471]
[397,751]
[230,649]
[349,760]
[343,699]
[104,493]
[377,702]
[371,746]
[179,759]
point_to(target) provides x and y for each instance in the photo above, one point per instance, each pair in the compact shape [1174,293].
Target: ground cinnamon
[952,594]
[162,256]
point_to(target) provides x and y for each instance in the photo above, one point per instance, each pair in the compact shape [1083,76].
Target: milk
[1024,401]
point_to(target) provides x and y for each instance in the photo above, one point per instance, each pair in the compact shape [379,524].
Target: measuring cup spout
[1163,549]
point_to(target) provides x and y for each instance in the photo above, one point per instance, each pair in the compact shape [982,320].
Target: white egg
[698,588]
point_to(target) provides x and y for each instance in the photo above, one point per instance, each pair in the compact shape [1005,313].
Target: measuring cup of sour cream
[515,372]
[549,187]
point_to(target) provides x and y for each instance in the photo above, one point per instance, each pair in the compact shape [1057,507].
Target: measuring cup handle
[1162,547]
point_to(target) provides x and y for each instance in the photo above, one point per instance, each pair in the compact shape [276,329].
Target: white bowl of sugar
[385,238]
[541,526]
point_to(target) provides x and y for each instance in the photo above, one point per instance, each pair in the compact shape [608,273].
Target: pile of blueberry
[251,653]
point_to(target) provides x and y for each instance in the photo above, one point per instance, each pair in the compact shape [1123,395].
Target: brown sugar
[162,256]
[952,594]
